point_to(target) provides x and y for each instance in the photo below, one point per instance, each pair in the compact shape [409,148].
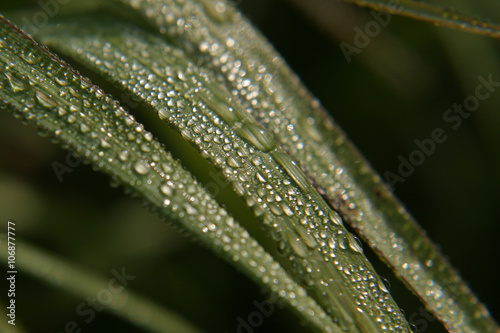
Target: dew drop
[343,243]
[292,169]
[44,99]
[382,286]
[105,144]
[163,113]
[288,211]
[62,81]
[257,136]
[167,168]
[353,244]
[230,222]
[257,160]
[190,209]
[291,191]
[71,118]
[31,58]
[84,128]
[299,247]
[16,83]
[108,64]
[166,189]
[148,136]
[309,125]
[331,242]
[123,155]
[259,177]
[61,111]
[306,237]
[142,167]
[233,162]
[335,218]
[85,83]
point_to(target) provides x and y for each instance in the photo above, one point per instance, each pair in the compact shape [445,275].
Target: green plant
[206,100]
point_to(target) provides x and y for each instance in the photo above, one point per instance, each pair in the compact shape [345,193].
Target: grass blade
[303,129]
[189,98]
[44,92]
[78,281]
[446,17]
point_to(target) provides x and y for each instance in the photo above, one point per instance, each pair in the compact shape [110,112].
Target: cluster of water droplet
[71,109]
[189,98]
[239,53]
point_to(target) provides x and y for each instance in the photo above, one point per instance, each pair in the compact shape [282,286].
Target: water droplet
[105,144]
[233,162]
[343,242]
[108,64]
[276,209]
[62,81]
[84,128]
[382,286]
[167,168]
[230,221]
[257,136]
[218,10]
[309,125]
[71,118]
[353,244]
[30,57]
[331,242]
[288,211]
[85,83]
[61,111]
[257,160]
[163,113]
[335,218]
[123,155]
[226,112]
[166,189]
[293,170]
[44,99]
[148,136]
[306,237]
[259,177]
[299,247]
[191,210]
[142,167]
[291,191]
[16,83]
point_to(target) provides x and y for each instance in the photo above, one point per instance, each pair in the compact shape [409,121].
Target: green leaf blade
[197,108]
[301,126]
[44,92]
[65,275]
[440,16]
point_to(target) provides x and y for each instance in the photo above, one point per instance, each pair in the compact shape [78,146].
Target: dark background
[395,91]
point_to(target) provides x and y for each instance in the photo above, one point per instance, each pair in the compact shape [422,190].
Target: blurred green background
[394,91]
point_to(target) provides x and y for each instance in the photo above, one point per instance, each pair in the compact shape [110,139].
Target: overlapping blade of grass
[446,17]
[323,253]
[43,91]
[268,90]
[79,281]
